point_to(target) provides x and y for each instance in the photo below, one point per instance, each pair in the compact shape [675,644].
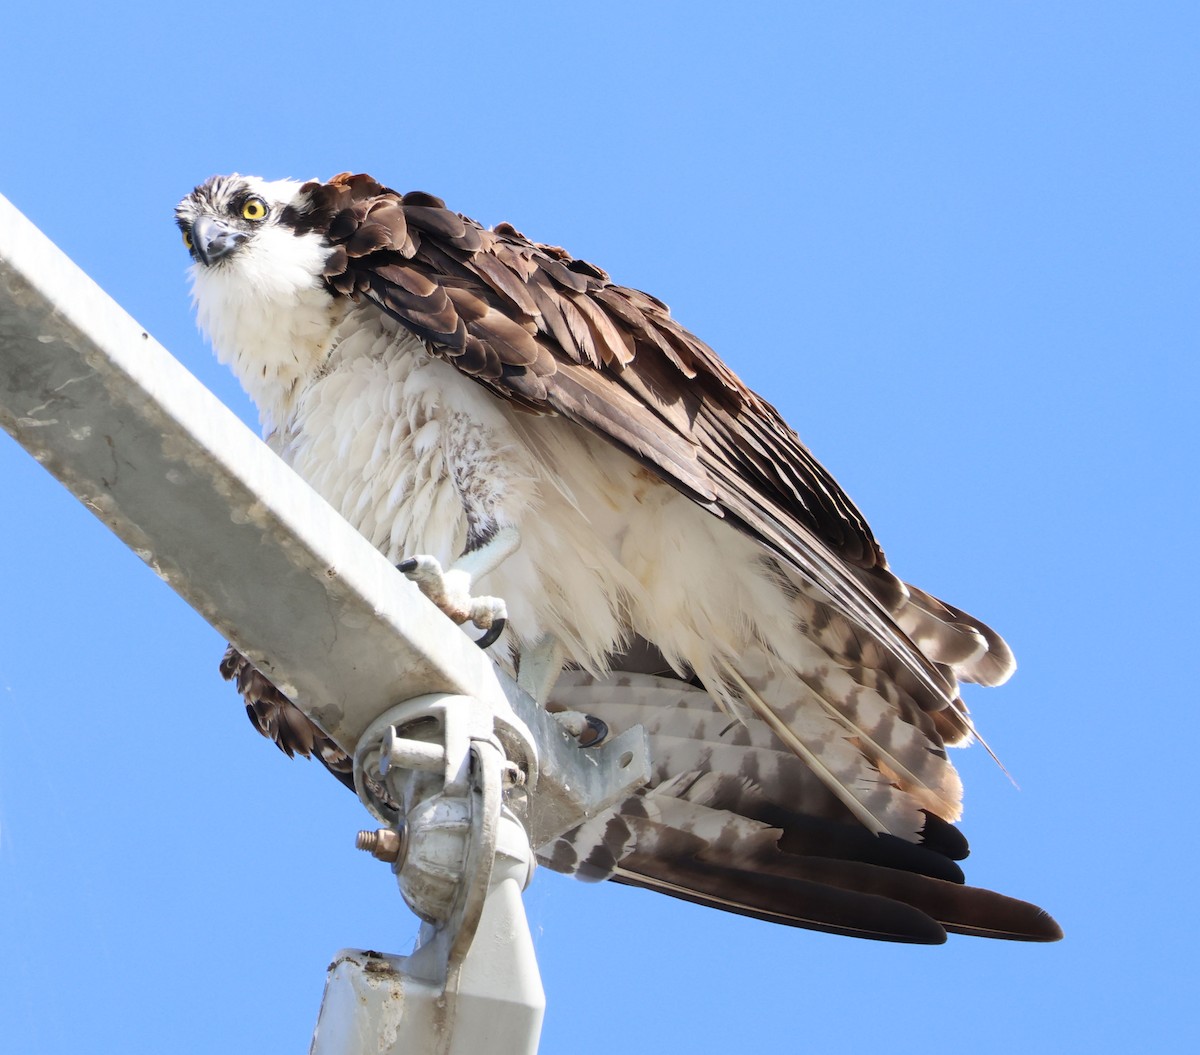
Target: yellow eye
[187,238]
[254,209]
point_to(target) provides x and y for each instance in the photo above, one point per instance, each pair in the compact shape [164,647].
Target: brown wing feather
[540,311]
[555,335]
[280,720]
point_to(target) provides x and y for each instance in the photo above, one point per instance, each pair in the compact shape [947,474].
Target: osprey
[644,524]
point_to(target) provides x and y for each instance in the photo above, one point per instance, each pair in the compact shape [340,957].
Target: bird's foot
[586,729]
[451,592]
[539,667]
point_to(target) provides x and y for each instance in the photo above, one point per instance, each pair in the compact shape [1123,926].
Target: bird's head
[256,275]
[228,222]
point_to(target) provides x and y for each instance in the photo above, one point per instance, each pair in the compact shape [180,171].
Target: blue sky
[956,244]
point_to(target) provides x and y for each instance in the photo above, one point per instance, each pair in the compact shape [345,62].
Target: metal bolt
[384,844]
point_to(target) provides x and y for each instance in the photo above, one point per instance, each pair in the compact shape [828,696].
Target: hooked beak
[213,240]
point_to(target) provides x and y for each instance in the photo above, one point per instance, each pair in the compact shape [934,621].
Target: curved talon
[450,592]
[585,729]
[493,633]
[598,728]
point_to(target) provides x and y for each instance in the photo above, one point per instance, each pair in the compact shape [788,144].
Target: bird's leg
[451,590]
[539,669]
[540,666]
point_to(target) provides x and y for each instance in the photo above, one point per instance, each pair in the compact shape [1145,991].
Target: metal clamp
[434,771]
